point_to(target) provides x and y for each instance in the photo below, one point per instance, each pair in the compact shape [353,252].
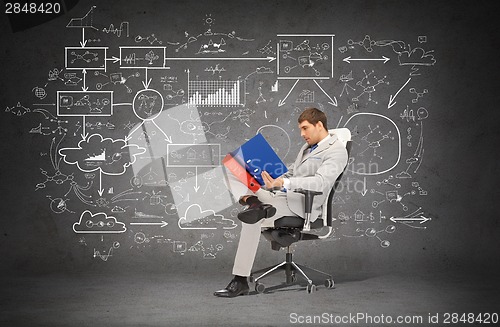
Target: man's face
[311,133]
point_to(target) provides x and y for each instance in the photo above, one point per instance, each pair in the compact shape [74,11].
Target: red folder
[240,172]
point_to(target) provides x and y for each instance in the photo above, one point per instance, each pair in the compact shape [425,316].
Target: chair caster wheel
[311,288]
[260,288]
[329,283]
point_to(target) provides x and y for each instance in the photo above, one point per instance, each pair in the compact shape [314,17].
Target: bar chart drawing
[216,93]
[306,96]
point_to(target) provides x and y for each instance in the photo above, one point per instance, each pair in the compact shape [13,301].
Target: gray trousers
[250,233]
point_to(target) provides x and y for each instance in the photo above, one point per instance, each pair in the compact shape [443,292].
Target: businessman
[318,164]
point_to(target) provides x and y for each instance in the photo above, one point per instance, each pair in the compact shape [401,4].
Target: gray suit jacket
[315,171]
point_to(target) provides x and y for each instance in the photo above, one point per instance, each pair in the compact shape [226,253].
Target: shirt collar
[323,140]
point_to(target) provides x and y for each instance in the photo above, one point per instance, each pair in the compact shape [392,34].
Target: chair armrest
[308,197]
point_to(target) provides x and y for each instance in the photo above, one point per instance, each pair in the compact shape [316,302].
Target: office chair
[291,229]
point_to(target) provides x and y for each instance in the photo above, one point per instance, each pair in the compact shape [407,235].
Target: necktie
[313,147]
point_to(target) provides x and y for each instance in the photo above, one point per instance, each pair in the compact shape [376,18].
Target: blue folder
[257,155]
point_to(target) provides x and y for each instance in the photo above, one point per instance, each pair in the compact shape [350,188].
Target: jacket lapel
[301,155]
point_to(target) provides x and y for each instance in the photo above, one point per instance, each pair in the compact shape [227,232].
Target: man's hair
[313,116]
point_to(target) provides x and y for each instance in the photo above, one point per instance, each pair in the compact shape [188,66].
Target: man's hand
[271,182]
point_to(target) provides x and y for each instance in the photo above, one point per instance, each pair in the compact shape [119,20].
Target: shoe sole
[253,216]
[231,296]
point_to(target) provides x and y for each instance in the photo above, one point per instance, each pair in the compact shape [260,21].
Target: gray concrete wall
[439,84]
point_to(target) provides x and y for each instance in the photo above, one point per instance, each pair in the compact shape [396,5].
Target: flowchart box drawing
[89,58]
[193,155]
[84,103]
[142,57]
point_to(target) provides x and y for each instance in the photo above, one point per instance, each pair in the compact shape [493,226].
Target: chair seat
[295,222]
[289,221]
[288,230]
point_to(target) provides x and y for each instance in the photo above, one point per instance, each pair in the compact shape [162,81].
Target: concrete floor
[144,299]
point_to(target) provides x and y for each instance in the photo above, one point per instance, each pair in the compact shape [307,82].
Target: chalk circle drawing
[376,144]
[58,205]
[98,223]
[422,113]
[196,218]
[140,238]
[39,92]
[170,209]
[147,104]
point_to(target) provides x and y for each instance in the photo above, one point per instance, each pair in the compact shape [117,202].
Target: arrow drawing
[391,98]
[101,190]
[161,224]
[196,187]
[167,138]
[115,59]
[422,219]
[146,82]
[269,59]
[282,102]
[83,42]
[84,135]
[84,87]
[349,59]
[363,193]
[332,102]
[408,220]
[129,136]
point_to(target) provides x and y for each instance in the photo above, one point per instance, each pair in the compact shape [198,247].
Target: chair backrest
[344,136]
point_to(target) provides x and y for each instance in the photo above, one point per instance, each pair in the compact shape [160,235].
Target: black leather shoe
[234,288]
[256,212]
